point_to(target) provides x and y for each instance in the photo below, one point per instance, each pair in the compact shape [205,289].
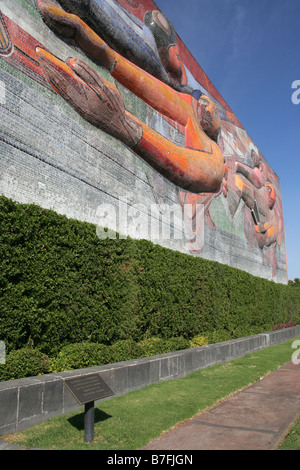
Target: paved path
[6,446]
[257,418]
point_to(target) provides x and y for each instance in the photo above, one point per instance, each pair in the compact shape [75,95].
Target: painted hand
[94,98]
[72,27]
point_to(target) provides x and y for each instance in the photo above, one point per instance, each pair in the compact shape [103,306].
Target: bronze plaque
[88,388]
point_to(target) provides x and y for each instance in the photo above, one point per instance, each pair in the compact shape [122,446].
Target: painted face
[208,116]
[270,195]
[255,158]
[166,41]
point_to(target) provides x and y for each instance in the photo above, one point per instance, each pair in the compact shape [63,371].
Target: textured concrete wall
[29,401]
[53,157]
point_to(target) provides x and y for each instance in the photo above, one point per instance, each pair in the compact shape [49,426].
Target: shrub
[218,336]
[176,344]
[198,341]
[123,350]
[81,355]
[284,325]
[151,347]
[25,362]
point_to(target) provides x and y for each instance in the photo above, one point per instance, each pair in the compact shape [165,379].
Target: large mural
[94,54]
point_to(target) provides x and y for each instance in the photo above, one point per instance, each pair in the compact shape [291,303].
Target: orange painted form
[152,91]
[193,170]
[201,162]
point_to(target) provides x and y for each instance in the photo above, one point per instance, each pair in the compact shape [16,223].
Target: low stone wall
[25,402]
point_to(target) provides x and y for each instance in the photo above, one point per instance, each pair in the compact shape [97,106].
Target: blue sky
[250,50]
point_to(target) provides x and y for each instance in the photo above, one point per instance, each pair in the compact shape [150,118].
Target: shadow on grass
[78,420]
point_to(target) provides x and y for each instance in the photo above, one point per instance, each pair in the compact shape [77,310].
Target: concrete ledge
[25,402]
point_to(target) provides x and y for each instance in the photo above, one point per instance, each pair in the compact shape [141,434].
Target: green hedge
[28,362]
[61,285]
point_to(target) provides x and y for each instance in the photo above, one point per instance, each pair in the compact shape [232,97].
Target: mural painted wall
[106,117]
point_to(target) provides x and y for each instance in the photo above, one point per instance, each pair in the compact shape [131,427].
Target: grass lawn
[131,421]
[292,441]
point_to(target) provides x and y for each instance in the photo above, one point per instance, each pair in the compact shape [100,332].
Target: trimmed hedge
[28,362]
[61,285]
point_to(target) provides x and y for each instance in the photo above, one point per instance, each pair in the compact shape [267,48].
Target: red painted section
[138,8]
[23,56]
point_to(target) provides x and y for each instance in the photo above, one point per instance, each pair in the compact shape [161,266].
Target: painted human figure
[254,186]
[258,193]
[197,167]
[151,44]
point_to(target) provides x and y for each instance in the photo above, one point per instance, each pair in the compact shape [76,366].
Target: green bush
[176,344]
[151,347]
[123,350]
[199,340]
[28,362]
[218,336]
[25,362]
[81,355]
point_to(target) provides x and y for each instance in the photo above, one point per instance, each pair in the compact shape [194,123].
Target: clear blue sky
[250,50]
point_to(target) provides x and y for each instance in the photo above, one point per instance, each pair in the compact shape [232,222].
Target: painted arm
[253,175]
[151,90]
[198,167]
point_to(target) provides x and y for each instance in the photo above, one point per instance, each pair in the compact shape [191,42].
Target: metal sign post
[87,389]
[89,419]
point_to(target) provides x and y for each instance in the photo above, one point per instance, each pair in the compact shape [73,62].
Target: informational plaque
[88,388]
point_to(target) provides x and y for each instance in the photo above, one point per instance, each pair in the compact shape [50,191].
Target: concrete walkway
[257,418]
[6,446]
